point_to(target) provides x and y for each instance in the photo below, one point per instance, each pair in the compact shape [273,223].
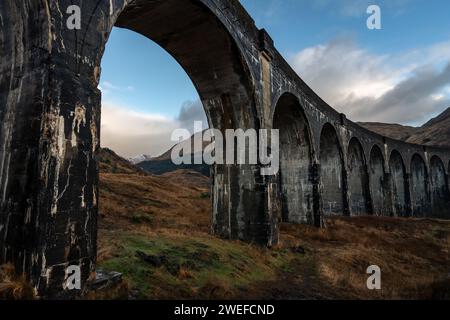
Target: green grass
[141,218]
[205,195]
[194,268]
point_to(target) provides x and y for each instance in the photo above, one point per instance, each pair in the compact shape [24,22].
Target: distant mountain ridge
[435,132]
[110,162]
[163,163]
[139,158]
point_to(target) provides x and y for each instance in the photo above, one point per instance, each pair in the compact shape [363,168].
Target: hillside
[155,230]
[163,163]
[391,130]
[110,162]
[435,132]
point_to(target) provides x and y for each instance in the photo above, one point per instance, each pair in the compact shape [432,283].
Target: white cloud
[107,88]
[367,87]
[340,69]
[131,133]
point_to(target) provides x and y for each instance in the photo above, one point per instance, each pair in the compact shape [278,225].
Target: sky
[399,74]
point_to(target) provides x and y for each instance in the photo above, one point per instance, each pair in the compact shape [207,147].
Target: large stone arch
[399,185]
[50,115]
[420,197]
[439,189]
[203,45]
[358,179]
[378,182]
[332,173]
[49,206]
[296,161]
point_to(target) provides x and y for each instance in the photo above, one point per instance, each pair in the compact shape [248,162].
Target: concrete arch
[420,197]
[399,185]
[378,187]
[206,50]
[296,160]
[203,44]
[439,189]
[50,124]
[64,108]
[358,179]
[332,173]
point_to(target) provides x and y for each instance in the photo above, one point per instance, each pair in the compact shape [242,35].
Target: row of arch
[310,184]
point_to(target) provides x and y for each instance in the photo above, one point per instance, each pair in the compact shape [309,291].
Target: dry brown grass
[154,202]
[413,253]
[12,286]
[119,291]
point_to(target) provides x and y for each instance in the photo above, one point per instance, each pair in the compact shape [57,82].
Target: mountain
[163,163]
[435,132]
[395,131]
[139,158]
[110,162]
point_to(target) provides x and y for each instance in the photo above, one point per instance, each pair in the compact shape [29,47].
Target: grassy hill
[435,132]
[163,163]
[156,231]
[110,162]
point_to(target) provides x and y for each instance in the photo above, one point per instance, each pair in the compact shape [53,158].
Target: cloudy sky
[400,73]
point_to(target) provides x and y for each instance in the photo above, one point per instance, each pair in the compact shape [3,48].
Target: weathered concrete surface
[50,131]
[296,171]
[399,185]
[420,195]
[439,187]
[379,187]
[332,173]
[358,180]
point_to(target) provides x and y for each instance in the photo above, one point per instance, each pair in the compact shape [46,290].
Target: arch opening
[198,40]
[420,199]
[440,194]
[358,180]
[399,185]
[378,182]
[200,43]
[332,173]
[295,177]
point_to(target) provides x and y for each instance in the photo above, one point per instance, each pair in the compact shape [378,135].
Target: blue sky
[365,73]
[406,24]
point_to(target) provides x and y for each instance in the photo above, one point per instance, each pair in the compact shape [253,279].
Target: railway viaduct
[50,130]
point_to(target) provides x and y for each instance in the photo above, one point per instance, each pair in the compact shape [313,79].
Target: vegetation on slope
[156,231]
[13,286]
[110,162]
[435,132]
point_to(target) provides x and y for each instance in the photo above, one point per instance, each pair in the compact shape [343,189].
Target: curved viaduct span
[50,131]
